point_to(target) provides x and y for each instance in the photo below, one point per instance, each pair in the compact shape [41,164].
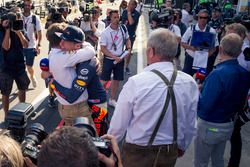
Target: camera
[56,15]
[16,122]
[34,136]
[162,17]
[102,145]
[14,23]
[86,17]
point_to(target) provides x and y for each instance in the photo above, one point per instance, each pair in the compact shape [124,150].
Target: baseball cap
[72,34]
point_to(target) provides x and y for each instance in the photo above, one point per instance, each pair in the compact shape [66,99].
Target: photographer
[166,18]
[92,26]
[58,15]
[74,147]
[13,67]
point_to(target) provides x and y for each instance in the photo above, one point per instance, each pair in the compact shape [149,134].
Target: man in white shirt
[191,51]
[185,14]
[61,65]
[141,102]
[114,40]
[33,33]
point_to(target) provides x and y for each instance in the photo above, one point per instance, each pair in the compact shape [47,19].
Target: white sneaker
[112,102]
[34,81]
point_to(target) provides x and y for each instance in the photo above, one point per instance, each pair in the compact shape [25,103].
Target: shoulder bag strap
[170,94]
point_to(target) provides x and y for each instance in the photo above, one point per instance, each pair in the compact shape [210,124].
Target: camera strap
[170,95]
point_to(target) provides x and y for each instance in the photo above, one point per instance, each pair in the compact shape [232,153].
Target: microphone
[44,66]
[200,75]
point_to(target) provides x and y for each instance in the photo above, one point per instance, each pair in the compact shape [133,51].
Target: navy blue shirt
[131,28]
[86,78]
[224,92]
[13,59]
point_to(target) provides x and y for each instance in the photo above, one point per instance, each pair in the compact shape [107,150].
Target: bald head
[226,45]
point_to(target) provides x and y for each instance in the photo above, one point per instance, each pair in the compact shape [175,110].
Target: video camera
[162,17]
[30,138]
[102,145]
[14,22]
[56,14]
[88,14]
[33,137]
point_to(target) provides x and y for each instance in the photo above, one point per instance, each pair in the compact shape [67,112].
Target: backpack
[34,25]
[124,31]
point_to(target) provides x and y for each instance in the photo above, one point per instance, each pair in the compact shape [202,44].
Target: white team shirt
[61,65]
[185,17]
[110,36]
[186,38]
[27,22]
[140,104]
[175,29]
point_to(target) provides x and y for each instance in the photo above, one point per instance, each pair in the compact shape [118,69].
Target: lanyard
[114,39]
[25,22]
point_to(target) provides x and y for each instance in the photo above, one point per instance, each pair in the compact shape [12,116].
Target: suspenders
[170,95]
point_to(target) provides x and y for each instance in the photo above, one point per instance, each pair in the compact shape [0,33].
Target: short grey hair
[164,42]
[237,28]
[231,40]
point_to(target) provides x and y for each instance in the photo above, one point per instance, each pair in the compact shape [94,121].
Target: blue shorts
[109,66]
[29,55]
[22,82]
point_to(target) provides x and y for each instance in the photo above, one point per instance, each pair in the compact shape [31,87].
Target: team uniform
[61,65]
[97,98]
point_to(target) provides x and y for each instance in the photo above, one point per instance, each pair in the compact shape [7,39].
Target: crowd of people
[158,112]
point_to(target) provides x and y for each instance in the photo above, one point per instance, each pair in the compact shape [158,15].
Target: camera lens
[82,122]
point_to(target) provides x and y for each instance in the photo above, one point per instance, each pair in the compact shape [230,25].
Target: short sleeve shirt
[186,38]
[111,37]
[30,30]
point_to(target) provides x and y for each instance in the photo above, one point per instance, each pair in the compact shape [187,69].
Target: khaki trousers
[70,112]
[149,156]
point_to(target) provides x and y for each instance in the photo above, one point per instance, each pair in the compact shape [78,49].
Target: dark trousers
[188,64]
[236,146]
[149,156]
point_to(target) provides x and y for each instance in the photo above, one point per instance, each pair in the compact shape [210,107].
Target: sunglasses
[203,17]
